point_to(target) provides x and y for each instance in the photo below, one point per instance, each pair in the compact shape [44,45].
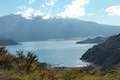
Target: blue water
[57,53]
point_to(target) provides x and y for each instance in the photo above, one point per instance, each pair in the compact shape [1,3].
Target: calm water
[58,53]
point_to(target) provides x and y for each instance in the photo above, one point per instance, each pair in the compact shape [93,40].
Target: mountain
[20,29]
[6,41]
[98,39]
[106,54]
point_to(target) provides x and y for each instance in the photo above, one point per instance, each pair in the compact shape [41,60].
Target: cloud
[50,2]
[46,17]
[91,14]
[43,6]
[31,1]
[29,13]
[74,10]
[113,10]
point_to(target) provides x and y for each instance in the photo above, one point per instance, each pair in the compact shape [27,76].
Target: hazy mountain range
[21,29]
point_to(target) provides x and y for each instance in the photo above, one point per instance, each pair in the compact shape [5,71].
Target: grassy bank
[27,67]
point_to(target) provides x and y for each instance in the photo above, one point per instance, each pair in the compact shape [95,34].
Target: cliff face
[106,54]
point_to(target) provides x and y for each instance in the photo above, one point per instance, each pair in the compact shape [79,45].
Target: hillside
[6,41]
[20,29]
[106,54]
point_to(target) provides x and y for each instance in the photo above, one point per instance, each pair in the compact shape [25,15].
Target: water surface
[60,53]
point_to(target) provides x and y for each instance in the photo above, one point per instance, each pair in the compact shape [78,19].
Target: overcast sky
[101,11]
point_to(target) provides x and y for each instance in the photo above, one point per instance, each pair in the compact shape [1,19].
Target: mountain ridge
[21,29]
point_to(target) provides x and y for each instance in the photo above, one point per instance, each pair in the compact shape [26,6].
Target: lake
[57,53]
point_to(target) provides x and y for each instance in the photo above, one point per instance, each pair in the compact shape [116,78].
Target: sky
[101,11]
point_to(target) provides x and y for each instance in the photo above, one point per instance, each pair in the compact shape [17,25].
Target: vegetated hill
[106,54]
[6,41]
[21,29]
[98,39]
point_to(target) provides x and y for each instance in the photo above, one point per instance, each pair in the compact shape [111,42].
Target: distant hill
[6,41]
[106,54]
[20,29]
[92,40]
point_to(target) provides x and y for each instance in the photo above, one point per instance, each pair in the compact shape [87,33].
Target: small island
[92,40]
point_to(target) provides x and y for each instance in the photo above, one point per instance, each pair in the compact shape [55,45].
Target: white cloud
[113,10]
[50,2]
[29,13]
[74,10]
[42,5]
[46,17]
[91,14]
[31,1]
[38,13]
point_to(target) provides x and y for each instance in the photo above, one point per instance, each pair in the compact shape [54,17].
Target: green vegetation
[27,67]
[106,55]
